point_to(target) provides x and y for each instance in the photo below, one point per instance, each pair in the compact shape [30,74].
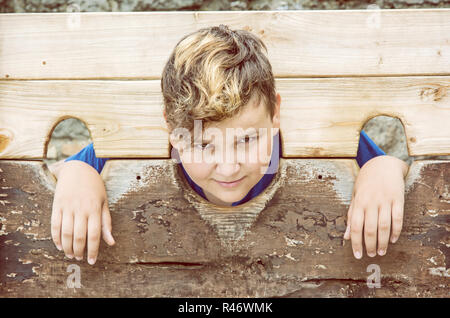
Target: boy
[222,78]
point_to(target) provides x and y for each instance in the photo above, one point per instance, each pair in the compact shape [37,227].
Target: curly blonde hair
[212,73]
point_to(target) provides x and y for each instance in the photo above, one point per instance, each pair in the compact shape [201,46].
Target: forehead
[253,115]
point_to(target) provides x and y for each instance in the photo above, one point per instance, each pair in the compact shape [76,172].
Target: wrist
[404,167]
[391,160]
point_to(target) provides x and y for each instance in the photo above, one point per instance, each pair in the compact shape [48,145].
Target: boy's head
[221,109]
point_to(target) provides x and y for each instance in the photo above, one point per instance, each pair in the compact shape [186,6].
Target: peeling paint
[342,182]
[290,257]
[439,271]
[291,242]
[414,174]
[25,261]
[431,259]
[424,245]
[148,172]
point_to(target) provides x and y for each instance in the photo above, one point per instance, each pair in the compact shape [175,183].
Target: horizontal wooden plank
[320,117]
[99,45]
[117,113]
[324,117]
[164,246]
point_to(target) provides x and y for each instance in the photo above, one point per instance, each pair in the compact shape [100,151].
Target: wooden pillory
[334,70]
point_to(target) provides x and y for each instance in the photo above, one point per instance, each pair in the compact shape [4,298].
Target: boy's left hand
[377,205]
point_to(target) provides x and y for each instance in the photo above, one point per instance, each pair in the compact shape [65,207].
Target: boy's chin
[231,197]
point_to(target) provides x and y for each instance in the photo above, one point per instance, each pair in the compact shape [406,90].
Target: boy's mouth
[230,184]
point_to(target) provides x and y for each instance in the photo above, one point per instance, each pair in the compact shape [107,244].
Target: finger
[384,228]
[349,219]
[370,229]
[94,229]
[67,233]
[79,236]
[106,225]
[56,221]
[397,219]
[356,228]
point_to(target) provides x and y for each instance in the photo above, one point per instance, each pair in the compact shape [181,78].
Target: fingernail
[381,252]
[91,260]
[372,254]
[59,247]
[358,254]
[346,231]
[70,256]
[79,258]
[394,239]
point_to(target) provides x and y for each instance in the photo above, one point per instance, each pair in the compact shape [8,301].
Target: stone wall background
[17,6]
[70,136]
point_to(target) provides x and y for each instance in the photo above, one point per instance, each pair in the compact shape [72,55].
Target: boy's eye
[202,146]
[246,139]
[252,138]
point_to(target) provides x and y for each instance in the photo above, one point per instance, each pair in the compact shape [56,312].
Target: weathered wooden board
[166,245]
[99,45]
[320,117]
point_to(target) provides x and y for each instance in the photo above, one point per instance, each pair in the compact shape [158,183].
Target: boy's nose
[226,171]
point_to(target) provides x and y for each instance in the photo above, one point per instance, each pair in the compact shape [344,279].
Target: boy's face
[237,148]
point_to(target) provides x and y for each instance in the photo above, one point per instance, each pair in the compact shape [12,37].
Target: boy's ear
[276,116]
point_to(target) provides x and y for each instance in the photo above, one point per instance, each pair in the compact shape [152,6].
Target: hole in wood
[230,222]
[67,138]
[388,133]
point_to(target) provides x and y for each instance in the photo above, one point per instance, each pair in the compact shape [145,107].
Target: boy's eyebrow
[251,134]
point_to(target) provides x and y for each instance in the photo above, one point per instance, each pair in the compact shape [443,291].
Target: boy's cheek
[197,171]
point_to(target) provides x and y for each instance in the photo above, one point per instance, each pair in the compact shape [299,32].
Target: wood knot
[4,142]
[434,94]
[439,93]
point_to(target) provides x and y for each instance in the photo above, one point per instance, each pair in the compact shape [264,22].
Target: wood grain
[301,43]
[319,117]
[294,248]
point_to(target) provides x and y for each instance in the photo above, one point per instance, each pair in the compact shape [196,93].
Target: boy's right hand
[80,210]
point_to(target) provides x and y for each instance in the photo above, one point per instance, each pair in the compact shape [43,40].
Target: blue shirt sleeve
[367,149]
[87,154]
